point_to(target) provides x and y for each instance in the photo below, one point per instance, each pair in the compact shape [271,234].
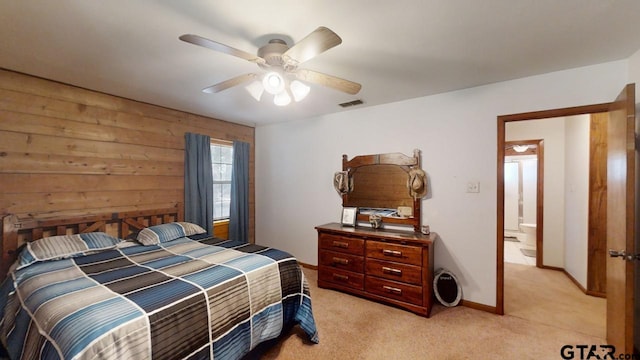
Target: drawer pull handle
[392,290]
[391,271]
[340,277]
[341,244]
[341,261]
[393,253]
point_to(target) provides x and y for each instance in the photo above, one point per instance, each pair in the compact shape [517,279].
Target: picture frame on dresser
[349,216]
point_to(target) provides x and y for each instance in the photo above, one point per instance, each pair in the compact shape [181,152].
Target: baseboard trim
[596,294]
[308,266]
[552,268]
[575,281]
[478,306]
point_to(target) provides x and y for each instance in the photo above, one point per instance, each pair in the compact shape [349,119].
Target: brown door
[621,220]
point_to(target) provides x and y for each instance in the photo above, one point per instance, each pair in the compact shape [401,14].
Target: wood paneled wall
[65,150]
[597,228]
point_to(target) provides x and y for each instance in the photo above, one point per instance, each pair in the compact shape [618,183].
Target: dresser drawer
[395,252]
[342,244]
[341,277]
[394,271]
[343,261]
[394,290]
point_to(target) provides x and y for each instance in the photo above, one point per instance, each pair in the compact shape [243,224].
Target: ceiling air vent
[351,103]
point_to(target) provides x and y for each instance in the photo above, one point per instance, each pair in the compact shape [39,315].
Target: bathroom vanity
[392,264]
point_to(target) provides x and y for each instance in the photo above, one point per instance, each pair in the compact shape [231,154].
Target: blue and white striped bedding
[199,298]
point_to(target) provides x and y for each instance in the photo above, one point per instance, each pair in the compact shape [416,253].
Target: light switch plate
[473,187]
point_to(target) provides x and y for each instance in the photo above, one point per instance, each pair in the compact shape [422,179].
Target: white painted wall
[520,170]
[456,132]
[529,190]
[634,71]
[552,131]
[511,194]
[577,197]
[634,77]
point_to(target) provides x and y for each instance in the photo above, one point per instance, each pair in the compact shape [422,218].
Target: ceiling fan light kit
[255,89]
[273,83]
[299,90]
[282,99]
[281,62]
[520,148]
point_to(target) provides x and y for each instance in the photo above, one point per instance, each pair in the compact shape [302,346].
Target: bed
[142,285]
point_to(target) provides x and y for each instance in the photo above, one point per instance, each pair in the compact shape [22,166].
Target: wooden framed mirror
[390,184]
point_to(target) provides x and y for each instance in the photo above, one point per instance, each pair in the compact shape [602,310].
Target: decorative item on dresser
[395,267]
[392,265]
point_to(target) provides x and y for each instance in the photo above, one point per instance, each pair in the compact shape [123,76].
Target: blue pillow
[65,246]
[157,234]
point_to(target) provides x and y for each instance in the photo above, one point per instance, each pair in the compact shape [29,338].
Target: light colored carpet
[550,297]
[354,328]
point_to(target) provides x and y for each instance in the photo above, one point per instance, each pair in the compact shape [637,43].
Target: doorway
[502,121]
[523,207]
[623,207]
[554,292]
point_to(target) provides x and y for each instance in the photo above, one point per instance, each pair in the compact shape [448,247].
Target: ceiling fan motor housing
[272,53]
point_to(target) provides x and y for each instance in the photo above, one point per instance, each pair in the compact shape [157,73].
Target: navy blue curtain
[239,208]
[198,181]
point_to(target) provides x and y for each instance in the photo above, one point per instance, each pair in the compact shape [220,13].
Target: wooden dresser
[394,267]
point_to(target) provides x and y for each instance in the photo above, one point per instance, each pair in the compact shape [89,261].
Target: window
[221,163]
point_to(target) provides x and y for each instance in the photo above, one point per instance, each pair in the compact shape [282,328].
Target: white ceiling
[397,50]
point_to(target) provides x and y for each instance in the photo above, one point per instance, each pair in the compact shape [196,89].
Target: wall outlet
[473,187]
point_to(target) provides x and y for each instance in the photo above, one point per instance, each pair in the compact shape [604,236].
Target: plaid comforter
[198,298]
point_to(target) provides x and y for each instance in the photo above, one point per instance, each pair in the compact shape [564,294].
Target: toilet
[529,231]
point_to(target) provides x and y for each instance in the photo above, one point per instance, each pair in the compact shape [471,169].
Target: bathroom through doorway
[523,190]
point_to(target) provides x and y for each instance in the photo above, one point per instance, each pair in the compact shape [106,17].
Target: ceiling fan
[281,62]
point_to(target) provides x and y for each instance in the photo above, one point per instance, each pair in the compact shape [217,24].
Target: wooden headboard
[18,231]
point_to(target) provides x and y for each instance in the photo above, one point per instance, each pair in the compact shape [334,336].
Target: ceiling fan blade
[337,83]
[319,41]
[229,83]
[213,45]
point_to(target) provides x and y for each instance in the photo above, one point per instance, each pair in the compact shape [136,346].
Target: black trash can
[446,288]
